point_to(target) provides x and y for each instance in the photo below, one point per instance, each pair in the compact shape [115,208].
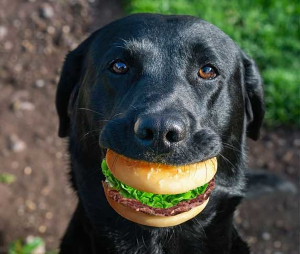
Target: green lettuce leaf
[150,199]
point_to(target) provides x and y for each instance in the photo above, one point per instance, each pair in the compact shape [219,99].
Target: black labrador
[167,89]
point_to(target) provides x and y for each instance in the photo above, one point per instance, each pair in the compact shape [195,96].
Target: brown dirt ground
[34,38]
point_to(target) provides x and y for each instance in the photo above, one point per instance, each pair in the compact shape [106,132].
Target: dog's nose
[159,130]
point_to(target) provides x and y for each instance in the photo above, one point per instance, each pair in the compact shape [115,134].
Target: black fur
[98,110]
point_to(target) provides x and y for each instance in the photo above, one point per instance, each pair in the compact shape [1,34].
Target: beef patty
[181,207]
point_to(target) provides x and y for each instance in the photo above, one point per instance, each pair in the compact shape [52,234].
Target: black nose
[159,130]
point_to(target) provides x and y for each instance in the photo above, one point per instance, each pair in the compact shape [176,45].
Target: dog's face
[167,89]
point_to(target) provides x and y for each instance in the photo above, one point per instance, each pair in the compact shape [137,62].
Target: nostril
[175,136]
[172,136]
[146,134]
[159,129]
[143,131]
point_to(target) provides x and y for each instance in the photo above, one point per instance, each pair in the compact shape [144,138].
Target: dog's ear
[255,106]
[69,79]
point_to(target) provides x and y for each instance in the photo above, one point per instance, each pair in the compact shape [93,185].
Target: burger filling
[154,204]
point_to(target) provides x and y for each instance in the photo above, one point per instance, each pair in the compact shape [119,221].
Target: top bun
[160,178]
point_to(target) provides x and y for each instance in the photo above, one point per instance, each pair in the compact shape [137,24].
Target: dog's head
[167,89]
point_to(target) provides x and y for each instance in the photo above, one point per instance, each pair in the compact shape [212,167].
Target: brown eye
[207,72]
[118,67]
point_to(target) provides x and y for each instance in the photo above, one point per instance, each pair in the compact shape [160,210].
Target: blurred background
[36,200]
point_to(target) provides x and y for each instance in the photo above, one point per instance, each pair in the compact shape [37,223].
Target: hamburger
[157,195]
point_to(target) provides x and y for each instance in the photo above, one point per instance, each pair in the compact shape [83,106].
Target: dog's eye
[118,67]
[207,72]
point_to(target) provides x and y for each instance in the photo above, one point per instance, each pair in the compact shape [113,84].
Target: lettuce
[150,199]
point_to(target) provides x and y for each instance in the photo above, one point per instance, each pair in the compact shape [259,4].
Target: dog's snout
[159,130]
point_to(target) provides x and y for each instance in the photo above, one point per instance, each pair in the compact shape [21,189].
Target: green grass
[20,247]
[29,247]
[7,178]
[266,30]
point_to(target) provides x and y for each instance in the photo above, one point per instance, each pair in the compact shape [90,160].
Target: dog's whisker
[181,230]
[86,134]
[131,106]
[91,110]
[231,147]
[231,138]
[201,227]
[136,236]
[98,113]
[170,237]
[227,160]
[118,114]
[144,240]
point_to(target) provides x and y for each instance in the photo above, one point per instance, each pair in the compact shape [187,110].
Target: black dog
[169,89]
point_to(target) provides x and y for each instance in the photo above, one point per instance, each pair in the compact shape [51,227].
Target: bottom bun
[151,220]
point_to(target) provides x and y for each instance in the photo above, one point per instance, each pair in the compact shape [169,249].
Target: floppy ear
[255,105]
[69,79]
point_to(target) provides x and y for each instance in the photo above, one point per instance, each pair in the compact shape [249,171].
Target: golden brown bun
[160,178]
[151,220]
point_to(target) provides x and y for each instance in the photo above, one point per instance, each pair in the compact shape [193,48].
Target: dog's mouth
[157,190]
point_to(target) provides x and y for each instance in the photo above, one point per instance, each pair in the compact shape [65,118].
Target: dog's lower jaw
[81,237]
